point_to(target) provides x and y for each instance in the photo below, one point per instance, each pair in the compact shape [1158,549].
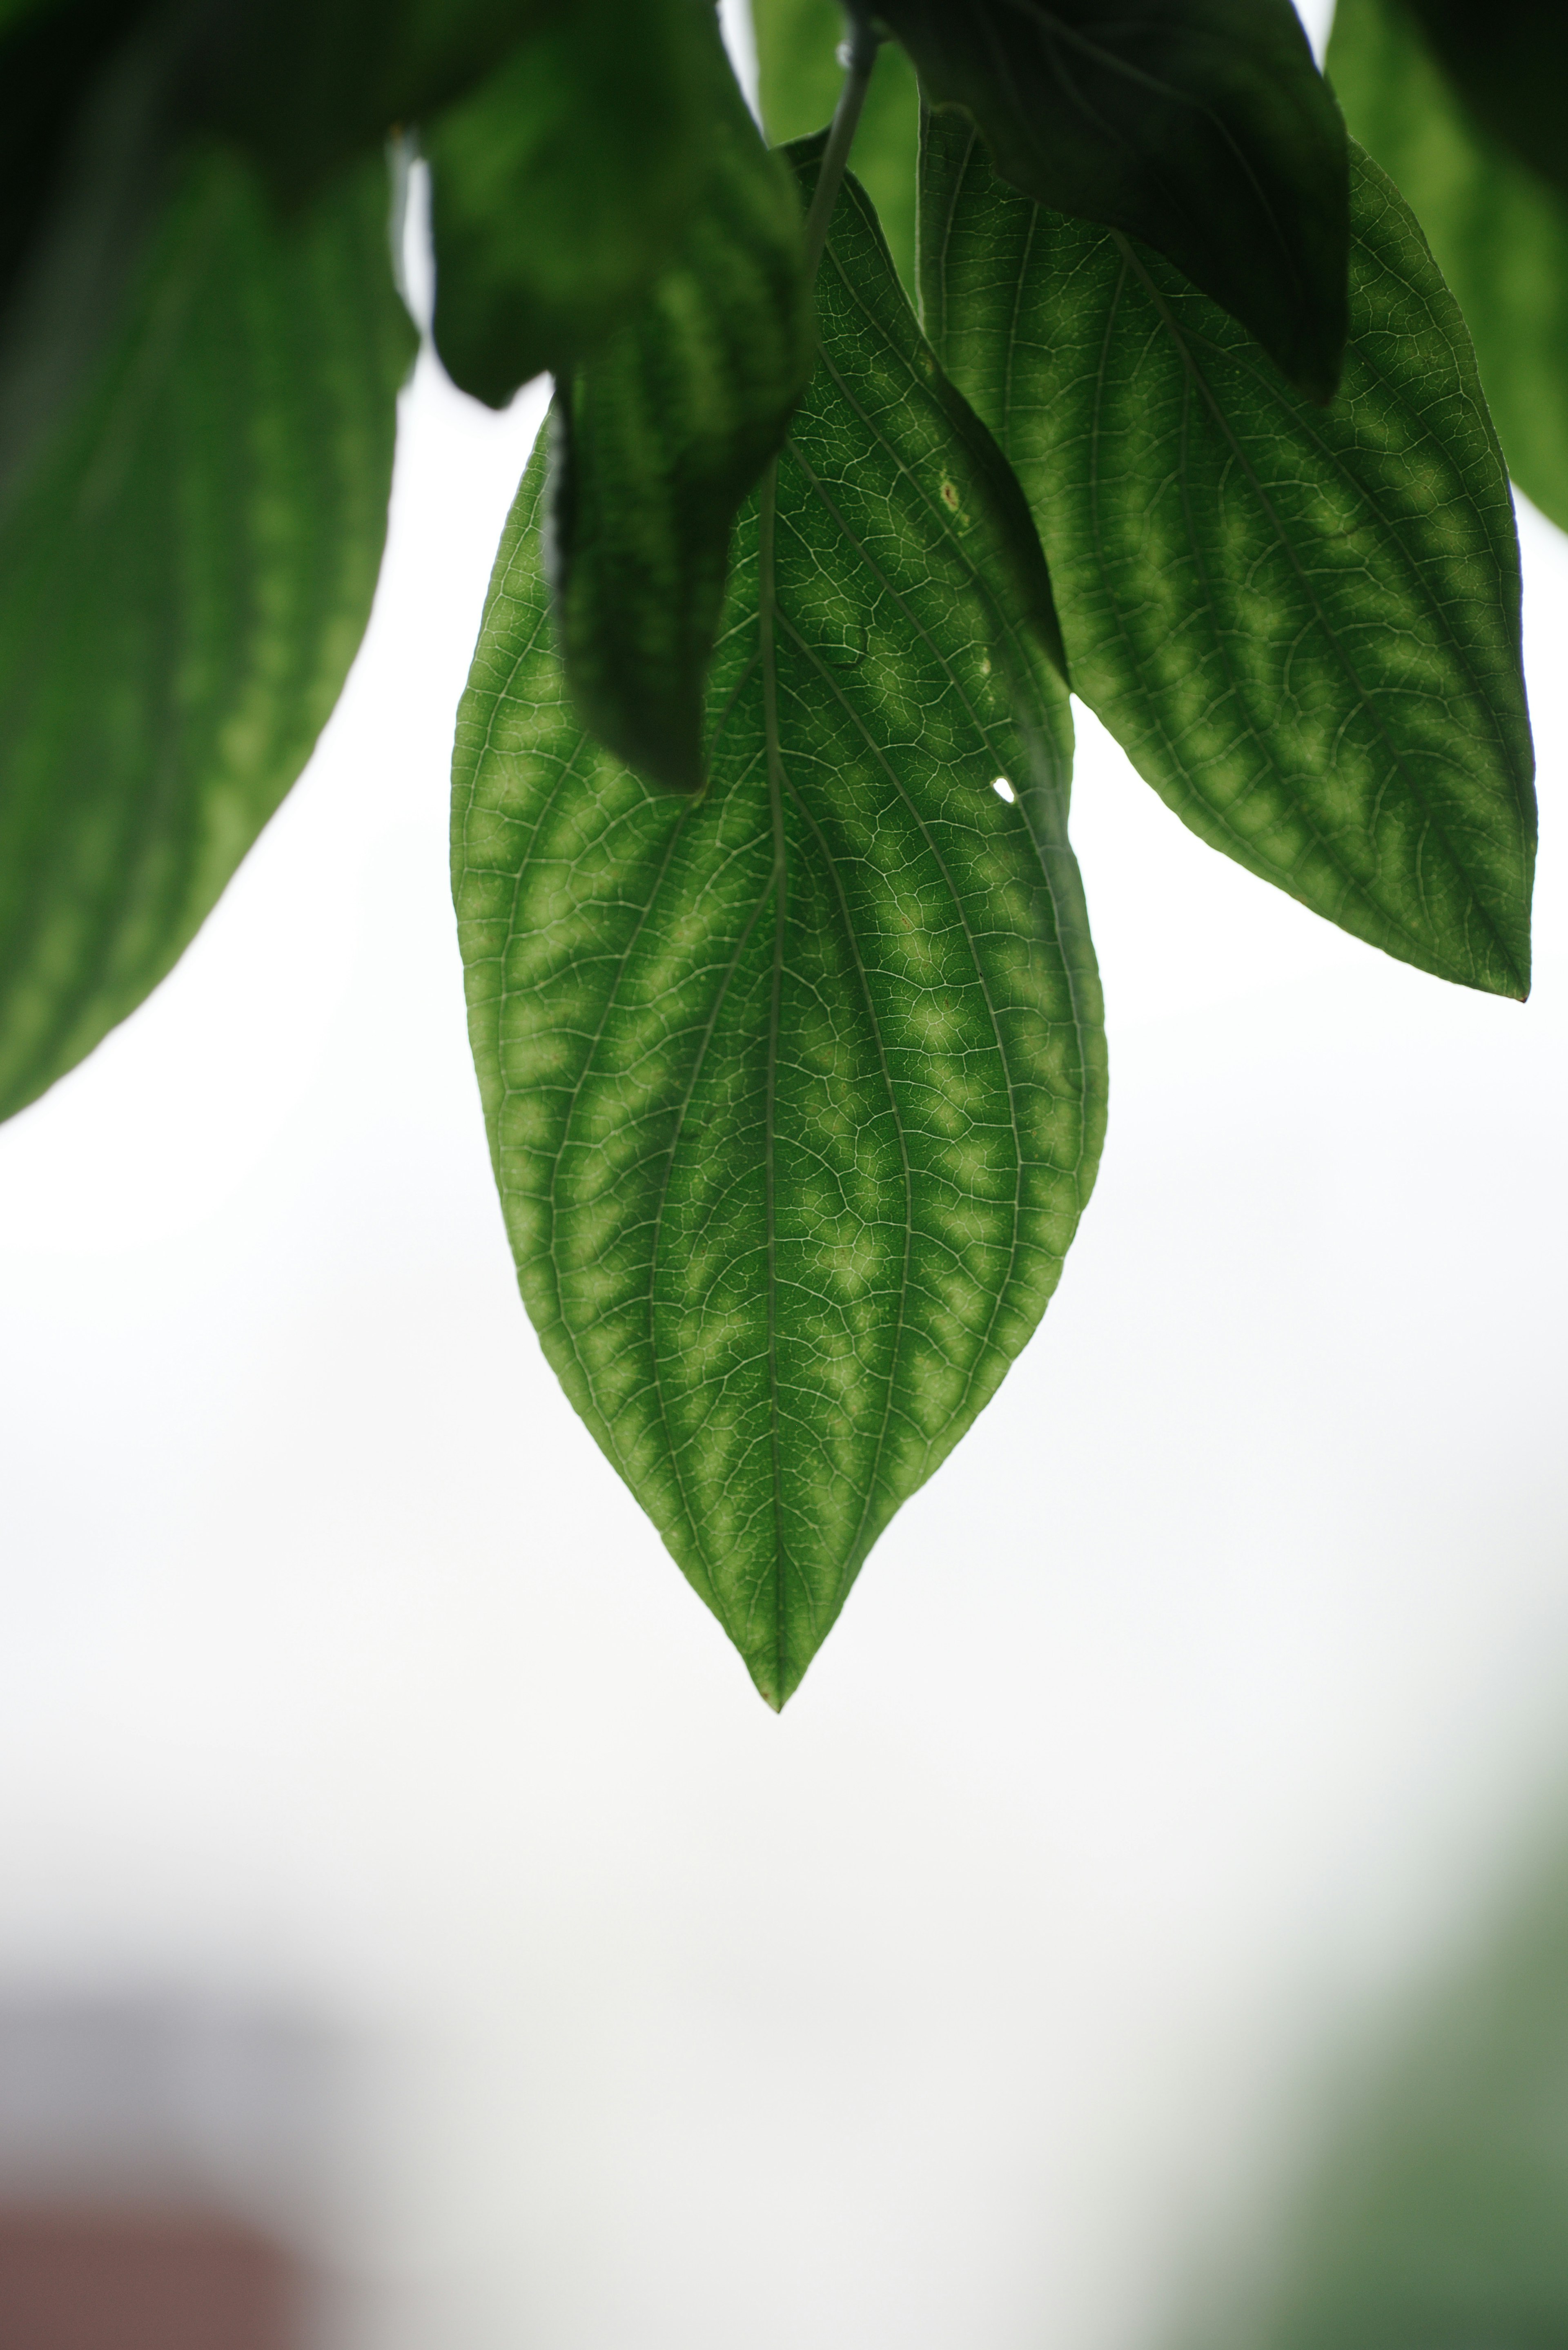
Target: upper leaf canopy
[1202,126]
[1304,627]
[795,1090]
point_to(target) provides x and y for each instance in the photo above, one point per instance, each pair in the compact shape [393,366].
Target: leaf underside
[794,1091]
[1498,231]
[1301,625]
[185,574]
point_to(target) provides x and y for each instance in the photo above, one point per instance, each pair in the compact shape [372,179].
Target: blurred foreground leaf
[1498,231]
[1435,2214]
[1302,626]
[1510,58]
[186,568]
[308,86]
[795,1090]
[561,186]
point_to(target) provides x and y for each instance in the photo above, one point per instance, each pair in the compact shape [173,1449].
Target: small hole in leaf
[1004,789]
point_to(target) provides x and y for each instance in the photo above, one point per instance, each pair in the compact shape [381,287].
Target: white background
[1207,1683]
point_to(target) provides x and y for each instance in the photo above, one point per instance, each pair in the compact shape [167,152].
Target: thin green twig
[857,56]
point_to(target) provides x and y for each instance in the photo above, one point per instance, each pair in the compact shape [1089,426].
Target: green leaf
[87,153]
[17,12]
[795,1090]
[1302,627]
[186,573]
[800,76]
[1497,231]
[1510,59]
[305,86]
[1202,126]
[562,185]
[1433,2212]
[659,438]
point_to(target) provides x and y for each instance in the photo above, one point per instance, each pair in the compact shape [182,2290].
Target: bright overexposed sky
[1218,1672]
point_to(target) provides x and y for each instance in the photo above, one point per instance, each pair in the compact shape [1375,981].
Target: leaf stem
[857,56]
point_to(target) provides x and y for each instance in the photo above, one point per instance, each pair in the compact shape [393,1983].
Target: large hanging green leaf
[659,438]
[1434,2212]
[1498,231]
[795,1090]
[186,569]
[1202,126]
[1302,627]
[799,80]
[562,185]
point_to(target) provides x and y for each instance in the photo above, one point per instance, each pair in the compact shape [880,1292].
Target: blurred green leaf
[800,77]
[1202,126]
[88,151]
[1302,626]
[1435,2216]
[659,438]
[563,184]
[1497,231]
[1510,59]
[186,568]
[14,14]
[305,86]
[795,1090]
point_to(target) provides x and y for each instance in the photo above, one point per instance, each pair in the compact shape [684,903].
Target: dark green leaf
[85,172]
[14,12]
[1499,233]
[1433,2215]
[305,86]
[800,77]
[561,186]
[48,58]
[1202,126]
[795,1090]
[186,573]
[1510,59]
[659,438]
[1302,627]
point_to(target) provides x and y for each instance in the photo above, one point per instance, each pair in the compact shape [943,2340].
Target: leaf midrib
[871,563]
